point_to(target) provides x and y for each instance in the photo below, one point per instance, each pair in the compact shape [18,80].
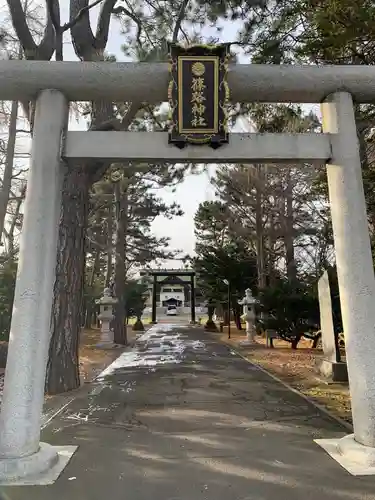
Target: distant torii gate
[171,272]
[52,85]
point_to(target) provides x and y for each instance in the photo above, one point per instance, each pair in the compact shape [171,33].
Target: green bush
[290,309]
[135,299]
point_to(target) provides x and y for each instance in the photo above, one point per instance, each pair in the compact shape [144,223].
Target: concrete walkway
[182,417]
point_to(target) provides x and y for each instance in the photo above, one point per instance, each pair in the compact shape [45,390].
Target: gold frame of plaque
[198,94]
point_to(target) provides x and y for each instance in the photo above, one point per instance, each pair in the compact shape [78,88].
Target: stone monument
[331,367]
[249,315]
[106,304]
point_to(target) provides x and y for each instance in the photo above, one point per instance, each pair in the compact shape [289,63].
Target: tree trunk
[363,150]
[109,266]
[225,316]
[315,342]
[89,299]
[271,252]
[63,365]
[295,341]
[210,325]
[8,169]
[237,316]
[289,230]
[13,222]
[88,314]
[95,264]
[259,230]
[220,311]
[121,200]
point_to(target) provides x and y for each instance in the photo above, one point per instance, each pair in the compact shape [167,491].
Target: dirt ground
[93,360]
[298,368]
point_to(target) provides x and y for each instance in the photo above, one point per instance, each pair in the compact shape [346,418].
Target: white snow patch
[198,345]
[133,359]
[158,346]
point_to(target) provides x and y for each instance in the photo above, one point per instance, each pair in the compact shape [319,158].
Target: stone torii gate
[165,273]
[53,85]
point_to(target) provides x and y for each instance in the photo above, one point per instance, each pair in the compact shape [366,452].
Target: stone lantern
[106,304]
[249,315]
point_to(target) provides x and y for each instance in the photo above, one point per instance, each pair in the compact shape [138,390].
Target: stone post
[331,366]
[355,271]
[20,420]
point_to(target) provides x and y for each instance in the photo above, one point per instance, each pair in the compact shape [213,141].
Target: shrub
[8,270]
[290,309]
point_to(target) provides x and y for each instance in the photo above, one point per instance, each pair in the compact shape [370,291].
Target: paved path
[182,417]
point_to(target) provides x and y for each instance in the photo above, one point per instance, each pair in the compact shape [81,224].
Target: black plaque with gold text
[198,94]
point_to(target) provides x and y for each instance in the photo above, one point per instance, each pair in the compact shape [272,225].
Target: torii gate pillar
[21,453]
[356,279]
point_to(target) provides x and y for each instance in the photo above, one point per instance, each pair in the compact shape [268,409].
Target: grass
[145,321]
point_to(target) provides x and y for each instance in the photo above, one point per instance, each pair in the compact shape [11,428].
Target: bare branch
[117,125]
[79,15]
[86,45]
[123,10]
[20,25]
[180,18]
[45,49]
[81,32]
[54,14]
[104,20]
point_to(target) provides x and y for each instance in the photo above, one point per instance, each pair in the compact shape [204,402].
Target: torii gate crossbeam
[148,82]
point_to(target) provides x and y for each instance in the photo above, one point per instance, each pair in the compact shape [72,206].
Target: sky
[195,188]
